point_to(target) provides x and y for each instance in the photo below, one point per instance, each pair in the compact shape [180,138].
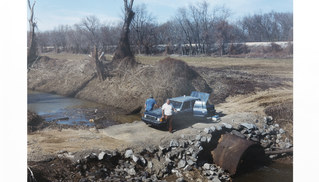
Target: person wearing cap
[150,103]
[167,114]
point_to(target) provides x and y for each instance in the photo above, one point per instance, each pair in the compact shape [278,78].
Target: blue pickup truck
[195,105]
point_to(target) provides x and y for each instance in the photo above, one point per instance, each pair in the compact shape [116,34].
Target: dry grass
[69,56]
[258,66]
[51,141]
[256,102]
[282,67]
[215,62]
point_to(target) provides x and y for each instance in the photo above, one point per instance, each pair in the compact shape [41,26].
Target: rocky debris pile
[179,157]
[271,136]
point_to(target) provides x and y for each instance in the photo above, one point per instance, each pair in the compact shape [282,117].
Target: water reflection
[272,173]
[72,111]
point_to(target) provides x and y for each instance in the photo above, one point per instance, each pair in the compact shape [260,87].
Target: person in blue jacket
[150,103]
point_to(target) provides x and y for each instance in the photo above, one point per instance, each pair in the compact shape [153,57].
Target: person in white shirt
[167,112]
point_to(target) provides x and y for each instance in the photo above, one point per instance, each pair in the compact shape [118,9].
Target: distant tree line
[194,30]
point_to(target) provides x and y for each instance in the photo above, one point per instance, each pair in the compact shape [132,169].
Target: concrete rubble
[177,157]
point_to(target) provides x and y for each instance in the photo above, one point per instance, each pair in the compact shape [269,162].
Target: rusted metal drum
[236,154]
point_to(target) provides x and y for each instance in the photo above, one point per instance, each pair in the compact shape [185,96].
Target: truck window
[176,105]
[186,105]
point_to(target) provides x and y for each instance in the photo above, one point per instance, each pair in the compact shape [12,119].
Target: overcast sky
[51,13]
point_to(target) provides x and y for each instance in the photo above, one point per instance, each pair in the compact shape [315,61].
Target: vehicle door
[200,109]
[187,108]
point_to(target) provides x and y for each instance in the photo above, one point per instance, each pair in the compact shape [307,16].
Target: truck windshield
[176,104]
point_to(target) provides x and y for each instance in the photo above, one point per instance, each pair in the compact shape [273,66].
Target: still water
[72,111]
[275,172]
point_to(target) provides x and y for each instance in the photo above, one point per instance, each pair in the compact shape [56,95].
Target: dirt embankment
[125,89]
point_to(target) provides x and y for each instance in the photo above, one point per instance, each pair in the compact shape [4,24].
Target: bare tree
[107,37]
[79,39]
[43,41]
[222,29]
[91,25]
[285,24]
[96,57]
[59,38]
[223,35]
[143,33]
[32,44]
[170,36]
[196,27]
[186,27]
[267,27]
[123,49]
[201,22]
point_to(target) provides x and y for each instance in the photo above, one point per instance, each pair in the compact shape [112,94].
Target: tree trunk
[98,63]
[32,51]
[123,48]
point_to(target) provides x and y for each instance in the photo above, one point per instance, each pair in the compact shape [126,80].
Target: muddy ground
[244,90]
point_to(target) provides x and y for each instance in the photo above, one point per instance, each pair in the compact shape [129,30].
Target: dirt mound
[174,77]
[130,88]
[34,122]
[125,87]
[34,119]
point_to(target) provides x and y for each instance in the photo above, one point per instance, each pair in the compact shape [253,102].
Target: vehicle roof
[183,98]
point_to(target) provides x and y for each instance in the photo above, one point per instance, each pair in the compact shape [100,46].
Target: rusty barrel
[236,154]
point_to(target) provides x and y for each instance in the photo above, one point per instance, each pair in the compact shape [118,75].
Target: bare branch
[102,54]
[125,5]
[131,4]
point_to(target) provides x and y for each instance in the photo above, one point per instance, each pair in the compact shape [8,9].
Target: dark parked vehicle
[195,105]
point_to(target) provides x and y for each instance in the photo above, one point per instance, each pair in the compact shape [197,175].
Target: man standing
[150,103]
[167,112]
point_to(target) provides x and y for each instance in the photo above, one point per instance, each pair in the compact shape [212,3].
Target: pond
[72,111]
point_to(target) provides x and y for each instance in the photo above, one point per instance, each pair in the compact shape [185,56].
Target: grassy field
[282,67]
